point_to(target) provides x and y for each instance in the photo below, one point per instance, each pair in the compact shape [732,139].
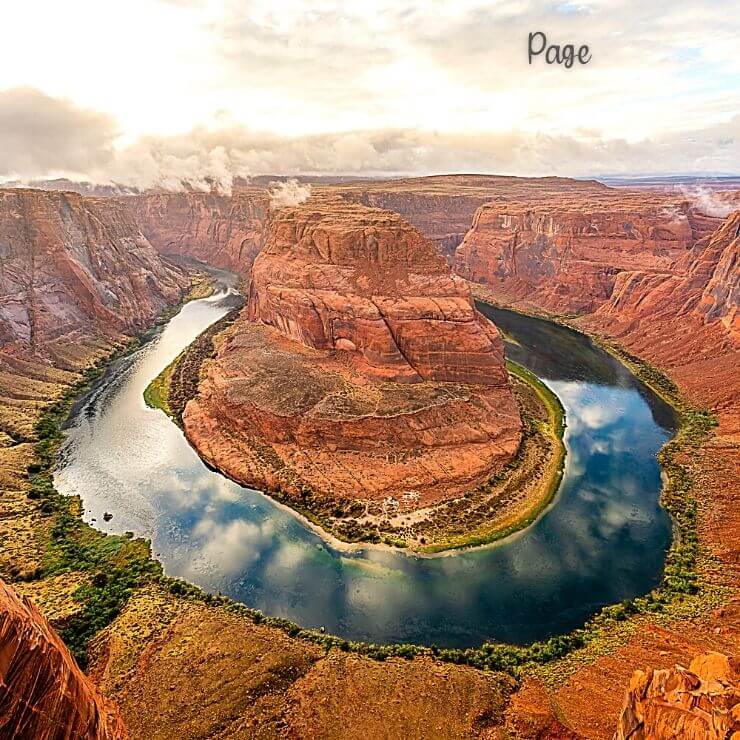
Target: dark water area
[602,540]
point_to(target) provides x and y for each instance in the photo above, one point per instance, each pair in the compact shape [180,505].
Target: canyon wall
[360,363]
[43,693]
[442,206]
[704,284]
[686,321]
[569,255]
[666,290]
[223,231]
[443,218]
[72,268]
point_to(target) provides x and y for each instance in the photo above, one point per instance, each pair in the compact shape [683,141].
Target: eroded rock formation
[569,254]
[220,230]
[74,267]
[698,703]
[359,368]
[43,693]
[686,321]
[362,280]
[442,206]
[703,282]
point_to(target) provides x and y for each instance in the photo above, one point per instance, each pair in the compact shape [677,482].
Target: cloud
[709,202]
[288,193]
[225,89]
[231,547]
[174,163]
[42,134]
[205,157]
[43,137]
[300,67]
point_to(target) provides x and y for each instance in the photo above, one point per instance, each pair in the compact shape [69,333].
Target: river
[603,539]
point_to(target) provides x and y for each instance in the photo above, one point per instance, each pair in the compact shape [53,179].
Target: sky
[157,92]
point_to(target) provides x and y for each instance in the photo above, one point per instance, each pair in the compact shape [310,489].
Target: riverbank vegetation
[113,565]
[515,498]
[178,382]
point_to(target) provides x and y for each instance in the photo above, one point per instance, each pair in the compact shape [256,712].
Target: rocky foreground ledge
[360,385]
[43,692]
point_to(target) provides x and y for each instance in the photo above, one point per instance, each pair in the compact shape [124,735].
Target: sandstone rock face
[686,321]
[721,295]
[703,283]
[570,254]
[361,280]
[223,231]
[443,218]
[72,266]
[359,367]
[701,703]
[43,693]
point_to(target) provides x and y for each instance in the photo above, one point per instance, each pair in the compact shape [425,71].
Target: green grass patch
[156,394]
[554,427]
[552,402]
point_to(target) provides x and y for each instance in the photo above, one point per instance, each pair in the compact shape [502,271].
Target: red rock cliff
[363,281]
[704,285]
[43,693]
[568,253]
[359,367]
[225,231]
[686,321]
[721,295]
[442,206]
[72,266]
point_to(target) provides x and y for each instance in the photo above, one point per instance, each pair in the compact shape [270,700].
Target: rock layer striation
[74,267]
[568,253]
[224,231]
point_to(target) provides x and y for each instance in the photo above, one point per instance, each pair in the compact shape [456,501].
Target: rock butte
[43,693]
[360,362]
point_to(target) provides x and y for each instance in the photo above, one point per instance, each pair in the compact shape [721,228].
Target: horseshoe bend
[370,370]
[361,384]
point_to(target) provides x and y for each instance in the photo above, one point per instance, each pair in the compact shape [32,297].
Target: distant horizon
[337,176]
